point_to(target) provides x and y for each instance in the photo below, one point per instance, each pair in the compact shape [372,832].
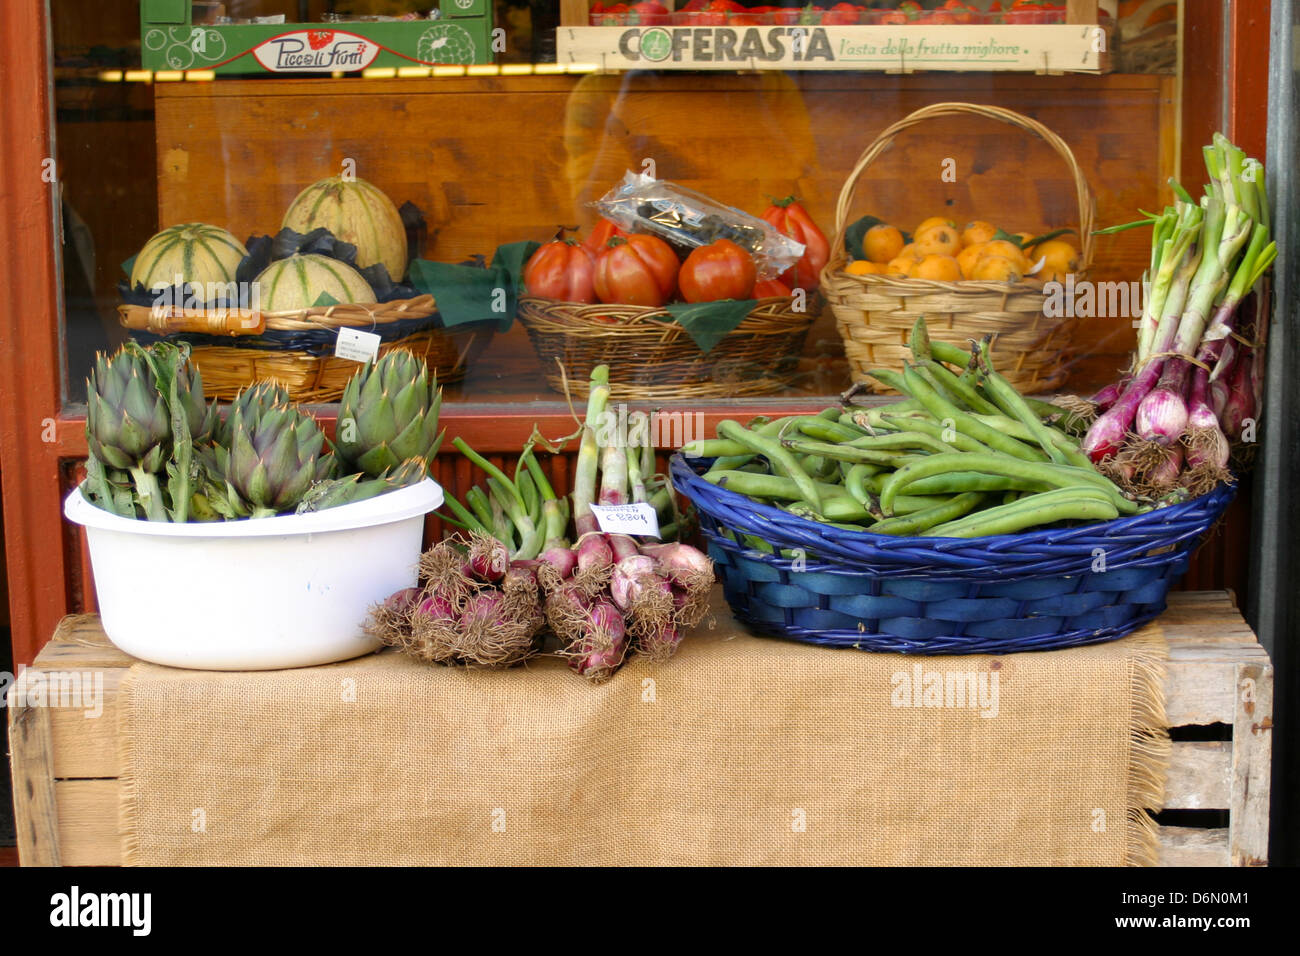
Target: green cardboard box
[170,40]
[465,8]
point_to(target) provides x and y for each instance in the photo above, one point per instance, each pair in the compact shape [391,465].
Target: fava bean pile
[962,455]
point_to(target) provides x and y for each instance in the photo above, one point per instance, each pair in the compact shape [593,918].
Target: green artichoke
[128,422]
[353,488]
[273,457]
[261,395]
[173,364]
[389,414]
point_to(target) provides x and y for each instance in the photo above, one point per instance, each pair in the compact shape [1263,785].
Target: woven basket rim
[993,548]
[339,315]
[653,314]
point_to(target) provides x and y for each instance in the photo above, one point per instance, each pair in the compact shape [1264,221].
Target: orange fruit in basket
[882,243]
[978,231]
[942,268]
[997,269]
[900,266]
[967,258]
[938,241]
[1061,259]
[864,267]
[934,221]
[1008,250]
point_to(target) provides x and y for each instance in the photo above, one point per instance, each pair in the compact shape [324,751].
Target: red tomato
[842,14]
[648,13]
[720,270]
[771,288]
[960,12]
[792,220]
[636,270]
[561,269]
[599,237]
[608,14]
[796,16]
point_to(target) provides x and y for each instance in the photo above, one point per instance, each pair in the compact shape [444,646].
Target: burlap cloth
[740,750]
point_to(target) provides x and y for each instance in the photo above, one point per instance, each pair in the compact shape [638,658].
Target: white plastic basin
[289,591]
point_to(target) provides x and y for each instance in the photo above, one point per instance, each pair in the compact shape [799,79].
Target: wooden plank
[1187,846]
[573,13]
[1080,11]
[612,123]
[1200,775]
[30,314]
[88,822]
[1252,738]
[87,747]
[1200,692]
[35,811]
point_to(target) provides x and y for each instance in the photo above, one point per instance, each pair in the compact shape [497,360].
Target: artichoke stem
[150,494]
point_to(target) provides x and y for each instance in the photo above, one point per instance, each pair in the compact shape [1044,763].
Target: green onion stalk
[1162,413]
[1177,270]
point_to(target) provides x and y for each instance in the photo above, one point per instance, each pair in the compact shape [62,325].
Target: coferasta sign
[1052,48]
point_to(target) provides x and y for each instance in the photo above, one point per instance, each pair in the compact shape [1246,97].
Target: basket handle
[170,320]
[935,111]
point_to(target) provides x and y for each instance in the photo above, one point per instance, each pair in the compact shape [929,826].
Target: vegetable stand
[534,145]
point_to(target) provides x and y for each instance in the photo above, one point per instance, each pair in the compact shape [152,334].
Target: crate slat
[88,822]
[1200,776]
[1188,846]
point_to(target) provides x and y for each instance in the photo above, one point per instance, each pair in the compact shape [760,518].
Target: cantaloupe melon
[196,252]
[298,282]
[355,212]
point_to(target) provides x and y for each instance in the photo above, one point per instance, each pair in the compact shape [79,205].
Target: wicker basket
[875,313]
[296,349]
[653,358]
[1038,590]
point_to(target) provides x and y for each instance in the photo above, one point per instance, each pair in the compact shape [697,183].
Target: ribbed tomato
[792,220]
[600,235]
[636,270]
[771,289]
[561,269]
[720,270]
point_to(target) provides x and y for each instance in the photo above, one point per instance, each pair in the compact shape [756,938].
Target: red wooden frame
[37,437]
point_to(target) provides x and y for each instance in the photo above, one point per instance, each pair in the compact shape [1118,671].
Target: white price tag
[357,345]
[627,519]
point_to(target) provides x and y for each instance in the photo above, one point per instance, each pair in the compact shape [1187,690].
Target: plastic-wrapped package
[686,220]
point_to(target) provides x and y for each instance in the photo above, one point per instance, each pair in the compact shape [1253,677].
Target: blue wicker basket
[1041,590]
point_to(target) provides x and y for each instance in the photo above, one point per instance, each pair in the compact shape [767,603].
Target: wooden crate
[65,766]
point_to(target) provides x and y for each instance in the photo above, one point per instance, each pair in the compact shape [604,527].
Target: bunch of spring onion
[621,595]
[603,596]
[1196,376]
[472,607]
[961,455]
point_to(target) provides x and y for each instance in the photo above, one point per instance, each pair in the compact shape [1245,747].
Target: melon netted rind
[191,252]
[298,282]
[356,212]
